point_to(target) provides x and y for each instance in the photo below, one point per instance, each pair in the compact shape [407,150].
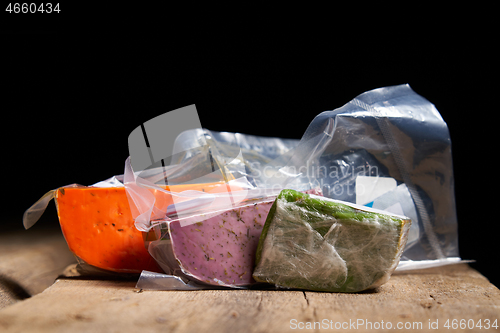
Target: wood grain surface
[30,261]
[416,299]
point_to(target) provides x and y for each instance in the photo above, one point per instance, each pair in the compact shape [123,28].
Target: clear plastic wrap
[216,249]
[196,156]
[98,227]
[387,148]
[316,243]
[395,133]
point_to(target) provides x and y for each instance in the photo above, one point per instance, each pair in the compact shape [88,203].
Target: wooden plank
[416,298]
[30,261]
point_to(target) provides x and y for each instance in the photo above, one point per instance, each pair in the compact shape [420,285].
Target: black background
[75,86]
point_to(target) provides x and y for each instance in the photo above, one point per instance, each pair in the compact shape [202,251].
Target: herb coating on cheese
[317,244]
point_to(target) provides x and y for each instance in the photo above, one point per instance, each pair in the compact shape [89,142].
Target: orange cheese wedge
[98,226]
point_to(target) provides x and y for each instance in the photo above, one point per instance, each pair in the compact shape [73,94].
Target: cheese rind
[99,229]
[314,243]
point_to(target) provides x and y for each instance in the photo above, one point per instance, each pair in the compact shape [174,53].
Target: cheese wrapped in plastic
[316,243]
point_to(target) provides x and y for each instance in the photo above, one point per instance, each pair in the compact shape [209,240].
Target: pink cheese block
[220,249]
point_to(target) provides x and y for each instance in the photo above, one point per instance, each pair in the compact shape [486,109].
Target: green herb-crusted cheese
[315,243]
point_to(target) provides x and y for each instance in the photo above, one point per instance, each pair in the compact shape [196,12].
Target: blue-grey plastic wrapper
[388,148]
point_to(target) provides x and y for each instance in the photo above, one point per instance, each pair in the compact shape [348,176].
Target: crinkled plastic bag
[387,148]
[160,159]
